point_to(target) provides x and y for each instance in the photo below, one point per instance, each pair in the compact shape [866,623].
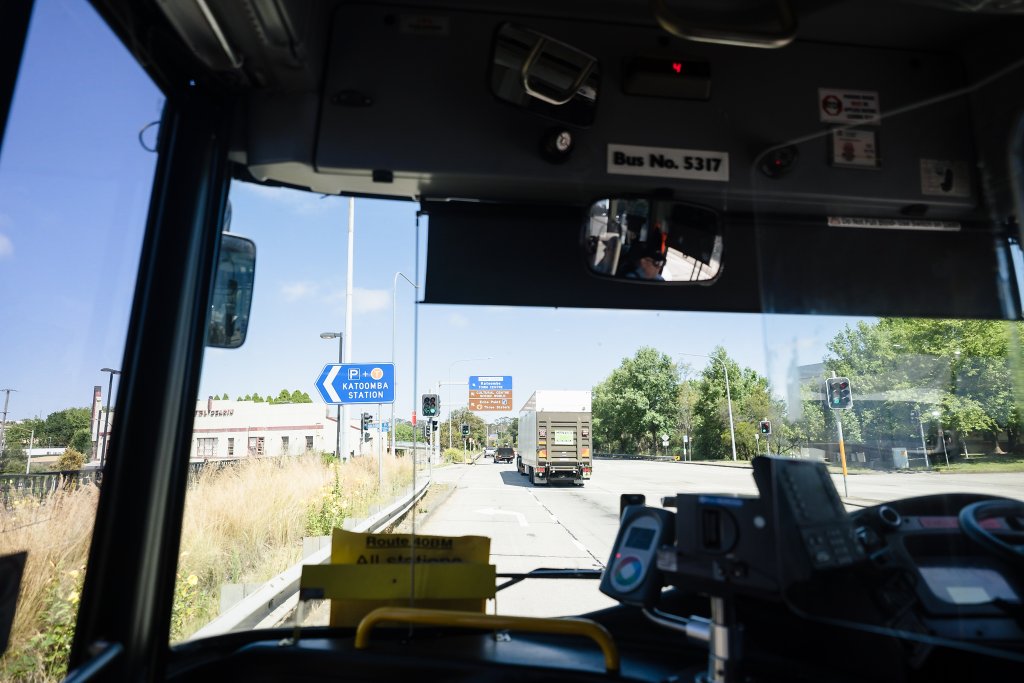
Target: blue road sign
[347,383]
[490,382]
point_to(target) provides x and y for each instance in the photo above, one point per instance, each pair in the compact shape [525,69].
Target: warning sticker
[848,106]
[945,178]
[893,224]
[666,162]
[854,148]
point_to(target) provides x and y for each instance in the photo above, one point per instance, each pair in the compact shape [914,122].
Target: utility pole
[348,315]
[3,420]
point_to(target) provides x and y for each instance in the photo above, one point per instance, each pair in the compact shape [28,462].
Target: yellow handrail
[439,617]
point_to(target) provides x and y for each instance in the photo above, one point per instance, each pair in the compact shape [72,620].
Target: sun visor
[532,255]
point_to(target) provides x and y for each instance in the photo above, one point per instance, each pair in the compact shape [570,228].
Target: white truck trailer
[555,437]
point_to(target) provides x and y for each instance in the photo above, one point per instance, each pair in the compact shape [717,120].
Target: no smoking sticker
[848,106]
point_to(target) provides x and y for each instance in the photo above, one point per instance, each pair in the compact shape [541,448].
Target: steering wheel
[970,522]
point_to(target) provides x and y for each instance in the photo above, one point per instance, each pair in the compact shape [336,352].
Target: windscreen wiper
[543,573]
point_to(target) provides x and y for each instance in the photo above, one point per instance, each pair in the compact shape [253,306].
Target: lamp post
[340,338]
[394,289]
[461,360]
[106,419]
[728,396]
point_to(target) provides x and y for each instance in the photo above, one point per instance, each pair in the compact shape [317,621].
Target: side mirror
[231,297]
[653,240]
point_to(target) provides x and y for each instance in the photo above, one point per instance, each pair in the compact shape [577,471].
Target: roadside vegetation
[945,382]
[244,523]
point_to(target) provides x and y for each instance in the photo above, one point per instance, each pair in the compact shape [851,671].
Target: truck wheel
[533,478]
[519,466]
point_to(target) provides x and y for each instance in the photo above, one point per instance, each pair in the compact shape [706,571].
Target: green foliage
[188,604]
[70,460]
[460,416]
[404,430]
[453,455]
[636,403]
[60,426]
[507,429]
[46,655]
[81,441]
[965,370]
[327,513]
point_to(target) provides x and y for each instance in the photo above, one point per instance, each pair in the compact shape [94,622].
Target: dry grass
[243,524]
[56,533]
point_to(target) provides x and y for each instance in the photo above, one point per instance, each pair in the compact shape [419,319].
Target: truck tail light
[542,453]
[539,471]
[585,452]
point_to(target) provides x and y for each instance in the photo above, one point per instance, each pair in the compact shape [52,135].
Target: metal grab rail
[728,35]
[574,626]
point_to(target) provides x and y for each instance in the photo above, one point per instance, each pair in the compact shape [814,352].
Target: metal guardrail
[42,484]
[274,601]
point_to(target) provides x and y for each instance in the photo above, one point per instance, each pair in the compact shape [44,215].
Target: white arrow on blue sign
[347,383]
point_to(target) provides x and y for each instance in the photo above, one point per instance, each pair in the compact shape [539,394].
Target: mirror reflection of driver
[648,267]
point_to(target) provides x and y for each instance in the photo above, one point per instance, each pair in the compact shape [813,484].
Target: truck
[555,437]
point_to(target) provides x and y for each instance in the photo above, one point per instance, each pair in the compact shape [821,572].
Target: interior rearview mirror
[231,297]
[653,240]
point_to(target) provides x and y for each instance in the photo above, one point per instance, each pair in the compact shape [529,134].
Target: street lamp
[340,338]
[394,289]
[462,360]
[106,419]
[728,396]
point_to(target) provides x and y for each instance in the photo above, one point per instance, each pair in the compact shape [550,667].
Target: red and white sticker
[854,148]
[848,106]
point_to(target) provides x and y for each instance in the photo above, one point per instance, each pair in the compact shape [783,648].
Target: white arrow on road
[518,515]
[328,384]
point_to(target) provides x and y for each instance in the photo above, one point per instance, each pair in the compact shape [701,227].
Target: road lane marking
[518,515]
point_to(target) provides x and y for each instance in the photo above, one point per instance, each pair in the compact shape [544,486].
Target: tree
[70,460]
[751,402]
[636,403]
[60,426]
[507,429]
[460,416]
[81,441]
[404,431]
[225,397]
[960,368]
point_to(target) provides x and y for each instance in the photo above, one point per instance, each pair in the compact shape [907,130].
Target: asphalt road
[574,527]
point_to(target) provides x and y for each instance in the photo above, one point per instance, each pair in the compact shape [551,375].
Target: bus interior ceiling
[402,100]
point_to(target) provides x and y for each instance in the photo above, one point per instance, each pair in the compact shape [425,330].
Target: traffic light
[765,427]
[465,430]
[366,421]
[837,389]
[431,405]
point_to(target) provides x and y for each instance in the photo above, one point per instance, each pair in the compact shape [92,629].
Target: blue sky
[74,188]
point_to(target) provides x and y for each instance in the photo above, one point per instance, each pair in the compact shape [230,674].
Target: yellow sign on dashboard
[368,571]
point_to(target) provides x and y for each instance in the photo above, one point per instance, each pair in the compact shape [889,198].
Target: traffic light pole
[924,447]
[842,452]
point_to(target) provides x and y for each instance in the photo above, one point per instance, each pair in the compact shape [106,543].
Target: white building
[239,429]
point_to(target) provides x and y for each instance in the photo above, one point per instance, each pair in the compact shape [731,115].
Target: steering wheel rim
[970,523]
